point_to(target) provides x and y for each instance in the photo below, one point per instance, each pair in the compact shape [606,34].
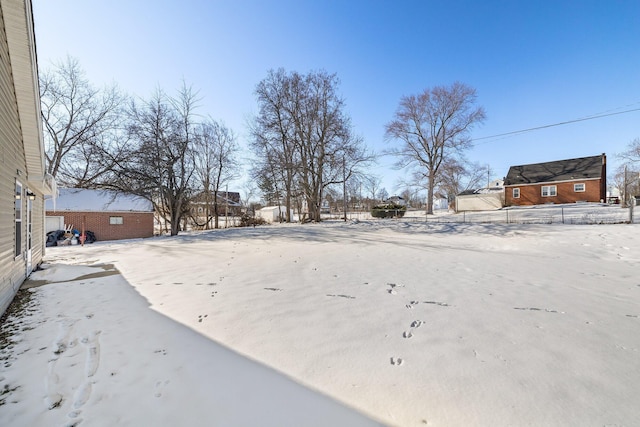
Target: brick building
[564,181]
[109,215]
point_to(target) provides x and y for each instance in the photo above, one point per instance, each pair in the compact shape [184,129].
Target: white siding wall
[479,202]
[12,159]
[13,150]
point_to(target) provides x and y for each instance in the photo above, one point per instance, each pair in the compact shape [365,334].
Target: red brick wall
[532,194]
[134,224]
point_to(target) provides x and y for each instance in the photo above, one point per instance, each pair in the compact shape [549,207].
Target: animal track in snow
[537,309]
[397,361]
[415,324]
[273,289]
[441,304]
[341,296]
[392,287]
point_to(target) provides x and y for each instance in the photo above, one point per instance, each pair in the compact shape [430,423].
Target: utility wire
[553,125]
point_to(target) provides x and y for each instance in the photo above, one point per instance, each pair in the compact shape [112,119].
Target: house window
[578,188]
[18,211]
[115,220]
[549,191]
[516,193]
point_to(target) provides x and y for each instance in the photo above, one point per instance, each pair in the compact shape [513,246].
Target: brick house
[109,215]
[23,179]
[564,181]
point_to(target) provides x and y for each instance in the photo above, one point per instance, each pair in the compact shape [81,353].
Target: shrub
[388,210]
[247,220]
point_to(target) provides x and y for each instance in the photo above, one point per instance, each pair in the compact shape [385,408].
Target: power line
[555,124]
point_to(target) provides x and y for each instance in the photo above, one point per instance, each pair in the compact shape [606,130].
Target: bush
[388,210]
[247,220]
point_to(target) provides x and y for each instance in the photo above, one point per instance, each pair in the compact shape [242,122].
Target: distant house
[23,178]
[440,201]
[482,199]
[564,181]
[227,202]
[396,200]
[109,215]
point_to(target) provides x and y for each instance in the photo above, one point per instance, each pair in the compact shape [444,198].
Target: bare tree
[457,176]
[215,152]
[632,153]
[372,185]
[248,191]
[304,137]
[273,136]
[432,127]
[626,177]
[83,140]
[383,194]
[159,165]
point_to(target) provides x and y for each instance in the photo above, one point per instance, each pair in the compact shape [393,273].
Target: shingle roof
[560,170]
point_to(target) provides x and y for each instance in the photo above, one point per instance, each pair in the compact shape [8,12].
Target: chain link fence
[564,214]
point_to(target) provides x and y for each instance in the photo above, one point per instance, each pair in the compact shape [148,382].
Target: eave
[18,19]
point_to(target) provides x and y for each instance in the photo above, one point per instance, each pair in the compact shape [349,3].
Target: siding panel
[12,270]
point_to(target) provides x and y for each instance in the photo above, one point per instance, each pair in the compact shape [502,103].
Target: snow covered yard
[409,323]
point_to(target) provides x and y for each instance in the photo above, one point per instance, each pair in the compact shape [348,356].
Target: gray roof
[82,200]
[560,170]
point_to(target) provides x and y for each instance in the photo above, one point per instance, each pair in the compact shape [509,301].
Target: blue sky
[533,63]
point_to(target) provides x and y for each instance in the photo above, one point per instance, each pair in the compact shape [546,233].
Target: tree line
[304,147]
[156,147]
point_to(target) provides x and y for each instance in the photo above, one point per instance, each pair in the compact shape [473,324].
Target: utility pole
[624,186]
[344,187]
[226,206]
[488,175]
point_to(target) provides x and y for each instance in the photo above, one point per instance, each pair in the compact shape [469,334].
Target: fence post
[507,216]
[562,211]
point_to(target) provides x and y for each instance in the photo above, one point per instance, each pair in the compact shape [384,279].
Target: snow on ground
[407,323]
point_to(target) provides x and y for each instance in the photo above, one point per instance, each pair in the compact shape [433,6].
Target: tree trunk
[430,186]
